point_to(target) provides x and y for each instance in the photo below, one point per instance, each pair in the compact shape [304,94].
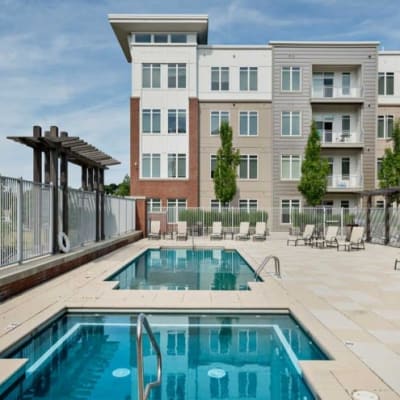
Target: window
[151,76]
[219,388]
[160,38]
[151,121]
[290,124]
[290,79]
[378,166]
[247,385]
[217,205]
[248,205]
[177,76]
[176,165]
[216,119]
[346,83]
[178,38]
[344,203]
[150,165]
[213,164]
[174,205]
[248,78]
[287,208]
[248,123]
[219,78]
[176,343]
[142,38]
[248,167]
[153,205]
[176,121]
[385,126]
[290,167]
[247,341]
[380,204]
[386,83]
[345,125]
[323,84]
[345,168]
[176,386]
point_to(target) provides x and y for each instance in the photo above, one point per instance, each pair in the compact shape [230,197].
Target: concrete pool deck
[348,301]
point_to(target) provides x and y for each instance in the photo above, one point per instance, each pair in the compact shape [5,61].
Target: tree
[389,173]
[225,169]
[122,189]
[314,170]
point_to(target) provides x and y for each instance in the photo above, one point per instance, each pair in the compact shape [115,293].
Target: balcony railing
[326,92]
[328,137]
[345,181]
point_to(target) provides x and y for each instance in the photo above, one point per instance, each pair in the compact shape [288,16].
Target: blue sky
[61,64]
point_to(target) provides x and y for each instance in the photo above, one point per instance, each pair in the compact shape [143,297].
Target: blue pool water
[87,356]
[186,269]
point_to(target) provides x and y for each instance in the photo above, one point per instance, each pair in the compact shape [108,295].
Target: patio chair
[216,230]
[181,232]
[356,240]
[244,233]
[154,230]
[306,236]
[330,239]
[396,261]
[261,231]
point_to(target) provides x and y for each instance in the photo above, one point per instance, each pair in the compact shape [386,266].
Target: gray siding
[324,57]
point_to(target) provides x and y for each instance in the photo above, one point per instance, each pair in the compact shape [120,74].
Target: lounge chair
[261,231]
[182,231]
[216,230]
[305,237]
[396,261]
[356,240]
[244,233]
[330,239]
[154,230]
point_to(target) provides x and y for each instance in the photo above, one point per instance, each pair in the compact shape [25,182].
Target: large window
[153,205]
[213,164]
[290,167]
[290,79]
[346,83]
[174,205]
[248,123]
[150,165]
[248,167]
[176,165]
[385,126]
[346,125]
[323,84]
[248,78]
[287,208]
[378,166]
[386,83]
[151,121]
[151,76]
[219,78]
[345,168]
[216,119]
[176,121]
[248,205]
[177,76]
[290,123]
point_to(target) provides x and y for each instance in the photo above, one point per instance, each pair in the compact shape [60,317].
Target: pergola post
[84,179]
[64,187]
[90,180]
[47,162]
[387,219]
[37,157]
[101,190]
[96,188]
[369,204]
[54,181]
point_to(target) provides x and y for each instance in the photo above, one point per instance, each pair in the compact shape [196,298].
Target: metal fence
[25,220]
[200,220]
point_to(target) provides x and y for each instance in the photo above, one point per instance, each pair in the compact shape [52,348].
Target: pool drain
[364,395]
[216,373]
[121,372]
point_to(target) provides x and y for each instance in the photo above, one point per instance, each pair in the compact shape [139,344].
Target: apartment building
[183,88]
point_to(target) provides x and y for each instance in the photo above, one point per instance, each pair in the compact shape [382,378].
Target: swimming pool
[93,356]
[186,269]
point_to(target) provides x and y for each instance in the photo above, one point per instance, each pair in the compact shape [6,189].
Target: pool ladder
[143,324]
[265,262]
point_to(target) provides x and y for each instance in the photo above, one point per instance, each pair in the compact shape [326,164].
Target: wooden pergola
[60,147]
[386,193]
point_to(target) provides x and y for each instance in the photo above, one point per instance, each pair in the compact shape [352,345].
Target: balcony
[336,94]
[341,139]
[344,183]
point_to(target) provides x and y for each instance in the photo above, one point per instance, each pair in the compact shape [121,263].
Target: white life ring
[63,242]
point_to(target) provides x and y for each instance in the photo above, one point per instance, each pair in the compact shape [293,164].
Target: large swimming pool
[93,356]
[186,269]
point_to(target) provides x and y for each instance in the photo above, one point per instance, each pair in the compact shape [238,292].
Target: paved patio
[349,301]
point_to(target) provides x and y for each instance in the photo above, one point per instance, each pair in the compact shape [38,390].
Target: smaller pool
[186,269]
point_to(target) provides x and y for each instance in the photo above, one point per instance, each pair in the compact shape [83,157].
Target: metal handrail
[265,262]
[142,322]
